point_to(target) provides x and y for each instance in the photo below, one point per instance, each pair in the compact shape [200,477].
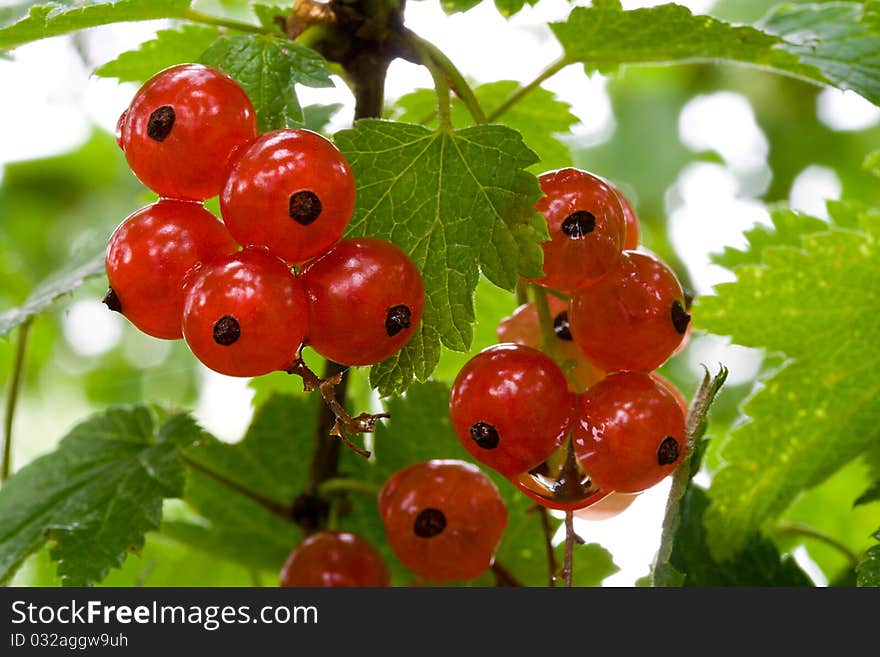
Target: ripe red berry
[633,318]
[608,507]
[334,559]
[524,327]
[630,432]
[587,228]
[631,241]
[149,255]
[510,407]
[245,314]
[291,191]
[365,301]
[182,129]
[675,392]
[444,519]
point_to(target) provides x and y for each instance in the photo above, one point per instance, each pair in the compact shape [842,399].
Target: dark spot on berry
[160,123]
[305,207]
[397,319]
[309,511]
[485,435]
[680,317]
[578,224]
[112,301]
[429,523]
[226,330]
[561,326]
[668,451]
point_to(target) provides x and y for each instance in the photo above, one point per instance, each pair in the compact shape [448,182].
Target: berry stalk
[12,398]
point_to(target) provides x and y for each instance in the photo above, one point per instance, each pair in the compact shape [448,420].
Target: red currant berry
[675,392]
[631,241]
[334,559]
[587,228]
[524,327]
[608,507]
[291,191]
[182,129]
[510,407]
[149,255]
[633,318]
[444,519]
[245,314]
[630,432]
[365,301]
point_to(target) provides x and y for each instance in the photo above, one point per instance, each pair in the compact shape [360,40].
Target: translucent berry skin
[244,314]
[444,519]
[629,433]
[334,559]
[510,407]
[524,327]
[182,129]
[633,318]
[631,241]
[365,299]
[292,192]
[674,391]
[608,507]
[587,228]
[149,255]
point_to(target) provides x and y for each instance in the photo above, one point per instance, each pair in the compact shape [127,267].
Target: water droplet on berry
[397,319]
[668,451]
[561,326]
[485,435]
[160,123]
[226,330]
[429,523]
[578,224]
[304,207]
[680,317]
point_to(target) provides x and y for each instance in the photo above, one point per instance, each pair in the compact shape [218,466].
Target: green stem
[207,19]
[549,341]
[12,398]
[526,89]
[343,485]
[800,529]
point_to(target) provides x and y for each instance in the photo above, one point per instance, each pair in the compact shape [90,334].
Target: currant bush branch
[195,16]
[527,88]
[15,381]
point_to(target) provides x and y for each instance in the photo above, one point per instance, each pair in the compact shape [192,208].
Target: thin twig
[570,539]
[800,529]
[504,577]
[548,543]
[15,381]
[527,88]
[207,19]
[345,485]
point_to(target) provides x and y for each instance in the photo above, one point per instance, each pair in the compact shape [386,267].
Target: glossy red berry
[510,407]
[674,391]
[630,432]
[608,507]
[244,314]
[631,241]
[334,559]
[524,327]
[633,318]
[444,519]
[587,228]
[182,129]
[292,192]
[365,301]
[149,255]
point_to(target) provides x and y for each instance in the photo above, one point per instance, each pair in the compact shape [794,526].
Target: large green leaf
[818,305]
[869,568]
[54,18]
[268,68]
[170,47]
[97,495]
[458,202]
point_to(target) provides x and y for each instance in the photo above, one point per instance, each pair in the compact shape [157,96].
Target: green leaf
[458,202]
[817,305]
[78,270]
[836,43]
[97,495]
[789,226]
[506,8]
[170,47]
[869,568]
[870,495]
[757,564]
[539,117]
[268,67]
[54,18]
[591,564]
[266,15]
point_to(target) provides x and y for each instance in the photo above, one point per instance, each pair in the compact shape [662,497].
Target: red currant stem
[549,341]
[527,88]
[345,485]
[207,19]
[522,293]
[344,423]
[800,529]
[694,429]
[279,509]
[12,397]
[570,539]
[553,567]
[504,577]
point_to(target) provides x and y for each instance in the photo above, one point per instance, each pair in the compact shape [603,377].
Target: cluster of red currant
[616,314]
[176,271]
[443,519]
